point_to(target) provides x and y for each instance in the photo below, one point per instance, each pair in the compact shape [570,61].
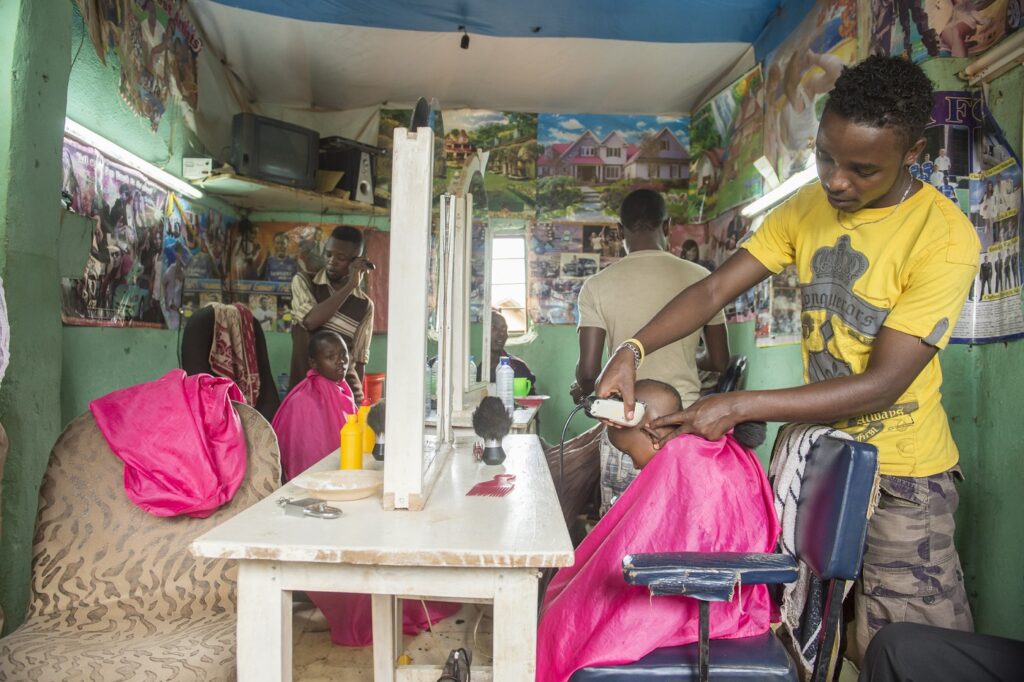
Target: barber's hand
[577,393]
[710,418]
[357,270]
[618,378]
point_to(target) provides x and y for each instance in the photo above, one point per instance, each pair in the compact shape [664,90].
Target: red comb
[499,486]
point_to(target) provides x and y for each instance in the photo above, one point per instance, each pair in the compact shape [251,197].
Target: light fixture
[775,196]
[464,43]
[122,155]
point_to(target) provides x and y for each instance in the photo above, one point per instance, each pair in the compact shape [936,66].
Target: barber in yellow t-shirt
[885,263]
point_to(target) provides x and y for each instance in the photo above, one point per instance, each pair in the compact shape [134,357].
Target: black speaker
[357,160]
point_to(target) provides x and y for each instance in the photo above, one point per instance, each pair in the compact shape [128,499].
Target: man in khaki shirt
[620,299]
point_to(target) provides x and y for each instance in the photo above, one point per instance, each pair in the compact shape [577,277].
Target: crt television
[275,151]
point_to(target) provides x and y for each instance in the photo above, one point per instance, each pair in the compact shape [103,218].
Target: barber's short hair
[347,233]
[884,92]
[321,338]
[668,389]
[643,210]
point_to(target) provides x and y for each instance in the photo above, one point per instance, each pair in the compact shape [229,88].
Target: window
[508,281]
[664,145]
[612,172]
[652,170]
[615,152]
[587,151]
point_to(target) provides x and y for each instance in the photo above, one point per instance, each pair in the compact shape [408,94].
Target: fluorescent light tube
[122,155]
[775,196]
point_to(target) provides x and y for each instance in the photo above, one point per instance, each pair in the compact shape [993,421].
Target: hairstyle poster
[589,163]
[726,138]
[920,29]
[798,74]
[144,240]
[777,310]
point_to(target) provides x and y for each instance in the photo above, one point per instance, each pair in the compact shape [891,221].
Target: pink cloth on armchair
[308,423]
[694,496]
[181,441]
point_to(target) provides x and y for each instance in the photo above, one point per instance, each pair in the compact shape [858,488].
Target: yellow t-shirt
[909,271]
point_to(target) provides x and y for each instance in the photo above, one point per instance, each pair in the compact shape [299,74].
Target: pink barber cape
[694,496]
[180,439]
[308,423]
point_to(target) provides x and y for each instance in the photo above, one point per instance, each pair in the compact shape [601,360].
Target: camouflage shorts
[911,568]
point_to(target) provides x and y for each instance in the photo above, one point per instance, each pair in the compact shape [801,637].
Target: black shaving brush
[492,423]
[375,420]
[750,434]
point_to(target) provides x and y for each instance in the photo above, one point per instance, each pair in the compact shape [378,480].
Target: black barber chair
[830,529]
[734,375]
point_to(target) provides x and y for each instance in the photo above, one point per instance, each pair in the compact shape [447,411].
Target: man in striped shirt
[333,299]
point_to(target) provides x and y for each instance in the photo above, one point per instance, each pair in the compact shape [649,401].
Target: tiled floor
[316,659]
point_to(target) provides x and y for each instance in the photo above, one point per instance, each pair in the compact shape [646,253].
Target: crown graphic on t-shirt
[840,263]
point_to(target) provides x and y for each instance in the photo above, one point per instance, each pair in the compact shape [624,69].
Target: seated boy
[692,495]
[308,423]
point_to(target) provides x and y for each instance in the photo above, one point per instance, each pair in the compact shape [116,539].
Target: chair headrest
[831,521]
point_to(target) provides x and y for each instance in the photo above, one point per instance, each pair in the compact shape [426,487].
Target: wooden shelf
[258,195]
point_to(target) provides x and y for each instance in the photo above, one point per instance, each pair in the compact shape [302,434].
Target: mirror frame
[469,392]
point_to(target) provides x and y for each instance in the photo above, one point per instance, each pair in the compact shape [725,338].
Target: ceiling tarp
[657,21]
[326,66]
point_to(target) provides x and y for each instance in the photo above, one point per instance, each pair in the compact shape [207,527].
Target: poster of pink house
[594,161]
[589,162]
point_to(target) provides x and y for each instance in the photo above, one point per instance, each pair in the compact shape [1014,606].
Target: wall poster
[921,29]
[726,138]
[798,75]
[968,159]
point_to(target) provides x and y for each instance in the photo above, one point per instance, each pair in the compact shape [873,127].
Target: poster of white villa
[589,163]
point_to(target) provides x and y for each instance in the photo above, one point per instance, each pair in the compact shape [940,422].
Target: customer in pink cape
[692,495]
[308,426]
[308,423]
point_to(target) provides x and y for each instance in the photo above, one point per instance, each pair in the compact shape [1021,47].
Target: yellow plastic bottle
[351,444]
[369,437]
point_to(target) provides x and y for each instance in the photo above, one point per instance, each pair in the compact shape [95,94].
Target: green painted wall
[982,386]
[34,41]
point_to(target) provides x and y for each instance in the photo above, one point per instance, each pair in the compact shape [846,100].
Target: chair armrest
[706,576]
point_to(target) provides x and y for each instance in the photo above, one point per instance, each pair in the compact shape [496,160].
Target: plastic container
[351,444]
[373,386]
[368,436]
[504,377]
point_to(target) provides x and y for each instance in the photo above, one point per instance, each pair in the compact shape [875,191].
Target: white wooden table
[457,548]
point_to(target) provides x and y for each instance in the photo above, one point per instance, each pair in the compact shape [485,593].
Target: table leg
[387,636]
[515,627]
[264,624]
